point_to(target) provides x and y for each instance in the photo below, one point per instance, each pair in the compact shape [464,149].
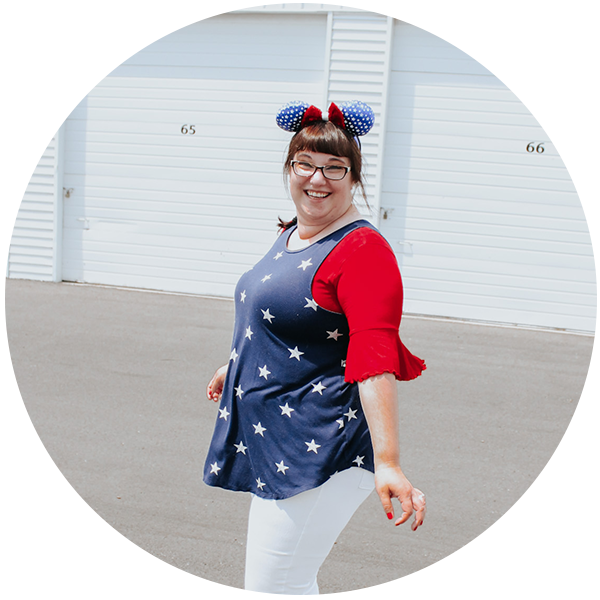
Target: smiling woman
[308,421]
[323,137]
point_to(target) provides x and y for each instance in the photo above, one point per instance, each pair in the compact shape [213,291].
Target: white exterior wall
[482,229]
[359,46]
[33,131]
[157,209]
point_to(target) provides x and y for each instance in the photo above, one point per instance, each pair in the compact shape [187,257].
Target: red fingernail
[390,516]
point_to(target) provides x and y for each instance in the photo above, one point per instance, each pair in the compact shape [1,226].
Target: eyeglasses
[305,169]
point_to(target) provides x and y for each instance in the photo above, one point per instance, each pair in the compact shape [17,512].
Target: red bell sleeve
[361,279]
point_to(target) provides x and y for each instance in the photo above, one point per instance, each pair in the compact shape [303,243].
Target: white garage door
[175,160]
[479,207]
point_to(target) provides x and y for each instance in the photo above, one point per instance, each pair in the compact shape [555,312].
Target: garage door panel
[154,143]
[98,74]
[447,86]
[489,223]
[96,191]
[494,103]
[190,187]
[397,176]
[490,301]
[114,235]
[146,176]
[503,314]
[145,153]
[424,186]
[423,243]
[140,185]
[503,151]
[163,280]
[500,275]
[480,292]
[490,132]
[477,204]
[489,232]
[563,167]
[520,208]
[475,160]
[163,220]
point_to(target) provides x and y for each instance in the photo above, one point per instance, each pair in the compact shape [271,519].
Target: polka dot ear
[358,117]
[290,116]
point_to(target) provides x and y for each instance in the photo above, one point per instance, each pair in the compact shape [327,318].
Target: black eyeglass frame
[322,169]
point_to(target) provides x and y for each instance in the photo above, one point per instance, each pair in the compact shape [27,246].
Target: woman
[308,418]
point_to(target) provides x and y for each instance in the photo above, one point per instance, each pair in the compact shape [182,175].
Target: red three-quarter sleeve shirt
[360,278]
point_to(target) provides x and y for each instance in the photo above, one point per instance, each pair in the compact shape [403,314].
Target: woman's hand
[390,482]
[379,399]
[214,390]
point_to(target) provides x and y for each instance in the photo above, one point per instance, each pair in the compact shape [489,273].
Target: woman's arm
[379,400]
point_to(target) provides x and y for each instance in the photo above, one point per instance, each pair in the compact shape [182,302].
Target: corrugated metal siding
[34,115]
[358,70]
[537,10]
[157,209]
[483,229]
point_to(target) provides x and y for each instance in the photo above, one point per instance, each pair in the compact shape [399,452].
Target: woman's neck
[307,234]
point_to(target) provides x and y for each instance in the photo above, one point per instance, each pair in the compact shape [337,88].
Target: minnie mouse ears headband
[355,117]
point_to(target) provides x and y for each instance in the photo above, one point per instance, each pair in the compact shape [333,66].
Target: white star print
[224,414]
[267,315]
[278,256]
[305,263]
[259,429]
[238,391]
[340,422]
[214,468]
[295,353]
[233,355]
[264,372]
[260,484]
[312,446]
[318,387]
[310,304]
[243,296]
[334,335]
[358,460]
[241,448]
[249,333]
[266,277]
[286,410]
[281,468]
[351,414]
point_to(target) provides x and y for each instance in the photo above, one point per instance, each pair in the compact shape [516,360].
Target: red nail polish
[390,516]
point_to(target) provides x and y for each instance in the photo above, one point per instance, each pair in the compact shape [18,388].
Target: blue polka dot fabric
[358,116]
[290,116]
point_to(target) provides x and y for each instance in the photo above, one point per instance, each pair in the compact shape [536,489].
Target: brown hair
[326,138]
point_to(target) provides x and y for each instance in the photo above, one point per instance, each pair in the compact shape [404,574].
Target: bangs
[325,138]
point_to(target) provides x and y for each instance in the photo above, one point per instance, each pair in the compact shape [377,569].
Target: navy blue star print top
[287,419]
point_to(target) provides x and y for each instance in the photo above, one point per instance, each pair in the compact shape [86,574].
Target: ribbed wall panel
[34,125]
[358,60]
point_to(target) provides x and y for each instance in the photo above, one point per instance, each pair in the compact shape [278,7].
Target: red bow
[313,115]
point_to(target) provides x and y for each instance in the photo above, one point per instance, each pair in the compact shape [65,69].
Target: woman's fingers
[418,502]
[407,509]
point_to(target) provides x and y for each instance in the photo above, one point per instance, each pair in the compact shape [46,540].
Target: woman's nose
[318,177]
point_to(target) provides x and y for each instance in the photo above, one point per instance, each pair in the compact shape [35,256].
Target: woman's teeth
[317,194]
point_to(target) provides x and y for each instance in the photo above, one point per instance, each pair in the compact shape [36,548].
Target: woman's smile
[314,194]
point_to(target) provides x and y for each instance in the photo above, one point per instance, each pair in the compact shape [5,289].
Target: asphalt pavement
[114,381]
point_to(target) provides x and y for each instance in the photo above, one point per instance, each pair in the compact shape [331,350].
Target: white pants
[288,540]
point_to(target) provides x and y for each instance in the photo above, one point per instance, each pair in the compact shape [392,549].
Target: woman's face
[320,201]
